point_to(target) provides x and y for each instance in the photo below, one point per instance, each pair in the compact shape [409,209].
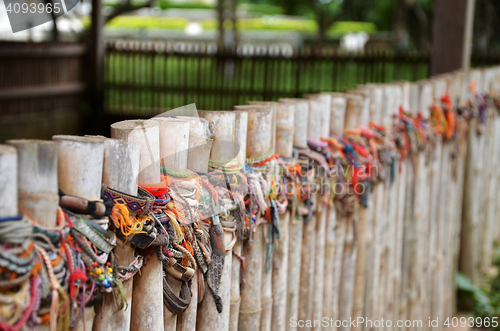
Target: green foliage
[382,14]
[166,4]
[260,8]
[485,299]
[145,22]
[344,27]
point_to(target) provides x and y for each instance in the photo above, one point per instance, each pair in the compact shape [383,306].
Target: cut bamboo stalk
[458,161]
[354,102]
[470,241]
[8,181]
[285,117]
[241,141]
[363,115]
[325,99]
[399,221]
[37,180]
[389,105]
[274,105]
[251,317]
[120,172]
[144,133]
[358,295]
[174,143]
[147,294]
[80,165]
[200,143]
[420,228]
[224,149]
[260,123]
[337,114]
[79,173]
[174,146]
[315,116]
[301,109]
[348,270]
[330,242]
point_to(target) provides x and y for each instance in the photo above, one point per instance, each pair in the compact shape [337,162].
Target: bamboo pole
[147,294]
[200,144]
[285,122]
[301,111]
[241,140]
[274,108]
[8,181]
[362,231]
[355,230]
[79,173]
[258,113]
[419,224]
[325,100]
[174,146]
[337,115]
[355,102]
[258,282]
[470,240]
[223,150]
[120,172]
[37,180]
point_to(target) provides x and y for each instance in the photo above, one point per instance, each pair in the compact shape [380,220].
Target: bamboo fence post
[388,235]
[301,121]
[79,172]
[458,156]
[490,184]
[223,150]
[399,199]
[418,224]
[325,100]
[256,292]
[256,113]
[471,218]
[147,294]
[285,116]
[354,102]
[37,180]
[311,278]
[337,113]
[362,232]
[439,224]
[241,140]
[300,109]
[354,233]
[200,143]
[120,172]
[274,109]
[8,181]
[174,146]
[376,222]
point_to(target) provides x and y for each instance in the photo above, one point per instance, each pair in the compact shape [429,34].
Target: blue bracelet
[18,217]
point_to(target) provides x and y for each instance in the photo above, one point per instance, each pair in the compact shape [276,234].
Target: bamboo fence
[302,214]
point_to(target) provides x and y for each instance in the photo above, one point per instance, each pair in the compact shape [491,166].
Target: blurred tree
[486,24]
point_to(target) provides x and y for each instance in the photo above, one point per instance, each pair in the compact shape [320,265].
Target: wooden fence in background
[144,78]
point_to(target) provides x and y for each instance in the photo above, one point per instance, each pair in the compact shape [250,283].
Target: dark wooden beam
[96,74]
[452,35]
